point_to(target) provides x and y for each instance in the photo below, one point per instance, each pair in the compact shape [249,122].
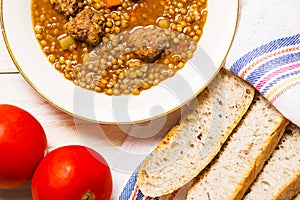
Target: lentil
[112,71]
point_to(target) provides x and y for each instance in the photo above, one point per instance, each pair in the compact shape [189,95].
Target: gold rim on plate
[48,99]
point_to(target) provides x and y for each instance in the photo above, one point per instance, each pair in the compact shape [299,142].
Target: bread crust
[284,162]
[191,145]
[289,190]
[240,159]
[260,161]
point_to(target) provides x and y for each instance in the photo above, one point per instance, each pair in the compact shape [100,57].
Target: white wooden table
[63,129]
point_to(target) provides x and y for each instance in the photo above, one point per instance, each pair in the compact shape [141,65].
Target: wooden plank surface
[6,63]
[63,129]
[135,140]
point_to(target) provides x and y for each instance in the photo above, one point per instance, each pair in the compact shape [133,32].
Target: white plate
[158,101]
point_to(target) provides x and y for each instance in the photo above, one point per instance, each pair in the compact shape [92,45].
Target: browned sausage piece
[87,26]
[68,7]
[148,42]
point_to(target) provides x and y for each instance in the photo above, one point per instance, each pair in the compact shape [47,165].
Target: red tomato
[22,146]
[72,173]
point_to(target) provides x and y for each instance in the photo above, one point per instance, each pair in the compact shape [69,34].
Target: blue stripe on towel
[261,70]
[267,48]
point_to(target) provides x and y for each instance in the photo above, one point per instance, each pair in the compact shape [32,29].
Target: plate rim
[60,107]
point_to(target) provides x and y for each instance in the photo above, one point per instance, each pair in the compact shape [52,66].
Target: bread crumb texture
[280,177]
[190,146]
[243,155]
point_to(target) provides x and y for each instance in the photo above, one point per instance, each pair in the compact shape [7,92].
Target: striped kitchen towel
[274,70]
[265,53]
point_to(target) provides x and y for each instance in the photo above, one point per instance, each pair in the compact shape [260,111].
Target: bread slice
[191,145]
[280,177]
[243,155]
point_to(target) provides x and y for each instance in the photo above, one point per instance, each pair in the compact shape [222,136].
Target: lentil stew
[123,49]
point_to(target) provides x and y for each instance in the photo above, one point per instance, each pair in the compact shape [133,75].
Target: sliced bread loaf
[280,177]
[191,145]
[243,155]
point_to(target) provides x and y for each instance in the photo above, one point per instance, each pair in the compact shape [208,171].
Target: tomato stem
[88,196]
